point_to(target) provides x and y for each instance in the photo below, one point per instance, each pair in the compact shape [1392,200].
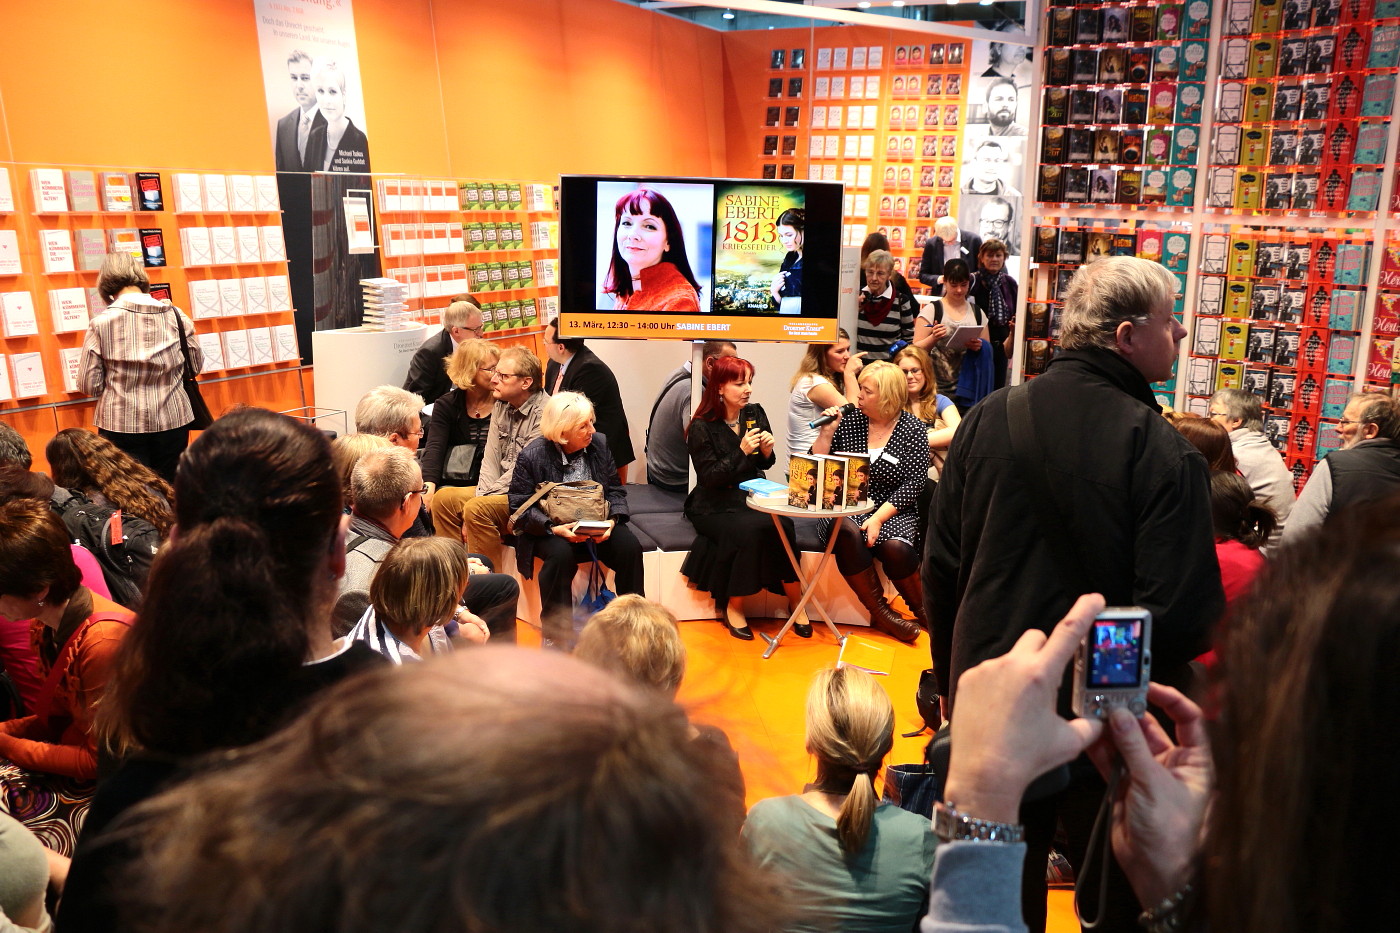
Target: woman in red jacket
[48,760]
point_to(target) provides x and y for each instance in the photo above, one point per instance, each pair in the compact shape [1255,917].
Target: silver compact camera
[1114,663]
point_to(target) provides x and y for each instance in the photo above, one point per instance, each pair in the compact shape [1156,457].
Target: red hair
[724,370]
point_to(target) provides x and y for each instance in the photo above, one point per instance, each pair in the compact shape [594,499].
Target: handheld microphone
[748,415]
[846,409]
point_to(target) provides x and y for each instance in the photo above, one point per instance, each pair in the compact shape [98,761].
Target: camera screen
[1117,657]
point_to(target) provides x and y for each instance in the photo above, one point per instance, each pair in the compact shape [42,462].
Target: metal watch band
[950,824]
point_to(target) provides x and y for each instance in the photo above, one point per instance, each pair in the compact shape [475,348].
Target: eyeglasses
[419,433]
[501,375]
[1349,421]
[486,369]
[420,492]
[1219,414]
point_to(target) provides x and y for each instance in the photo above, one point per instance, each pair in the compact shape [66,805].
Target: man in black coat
[583,372]
[1127,514]
[931,267]
[427,372]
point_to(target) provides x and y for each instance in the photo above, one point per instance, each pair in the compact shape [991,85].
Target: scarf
[999,311]
[875,310]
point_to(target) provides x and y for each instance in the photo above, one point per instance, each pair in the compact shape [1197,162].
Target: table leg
[809,590]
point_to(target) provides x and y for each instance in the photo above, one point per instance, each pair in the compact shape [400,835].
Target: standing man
[668,458]
[515,422]
[1242,414]
[575,368]
[1366,468]
[427,373]
[950,243]
[1095,493]
[294,130]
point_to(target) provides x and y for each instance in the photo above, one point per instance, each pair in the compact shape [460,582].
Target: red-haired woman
[736,551]
[650,270]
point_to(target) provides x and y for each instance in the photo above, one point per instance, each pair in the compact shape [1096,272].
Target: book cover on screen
[753,264]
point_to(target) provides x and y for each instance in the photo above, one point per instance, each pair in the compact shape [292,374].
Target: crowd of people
[305,717]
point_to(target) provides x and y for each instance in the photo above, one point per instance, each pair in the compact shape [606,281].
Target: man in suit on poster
[575,368]
[294,130]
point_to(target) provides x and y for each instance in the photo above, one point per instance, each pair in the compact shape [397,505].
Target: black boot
[866,586]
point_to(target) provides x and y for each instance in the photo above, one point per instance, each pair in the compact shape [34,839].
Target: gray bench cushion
[647,500]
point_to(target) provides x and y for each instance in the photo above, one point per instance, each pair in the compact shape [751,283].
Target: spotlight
[896,3]
[727,14]
[864,4]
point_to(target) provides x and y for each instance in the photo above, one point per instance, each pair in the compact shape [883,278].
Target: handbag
[202,417]
[565,503]
[463,464]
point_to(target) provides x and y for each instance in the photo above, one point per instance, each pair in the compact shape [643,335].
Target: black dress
[737,551]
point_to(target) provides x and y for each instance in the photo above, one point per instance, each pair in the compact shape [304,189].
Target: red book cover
[1312,350]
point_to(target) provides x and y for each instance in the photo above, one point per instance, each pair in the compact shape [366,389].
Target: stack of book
[386,303]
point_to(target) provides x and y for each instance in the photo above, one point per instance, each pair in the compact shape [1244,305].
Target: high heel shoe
[743,634]
[802,629]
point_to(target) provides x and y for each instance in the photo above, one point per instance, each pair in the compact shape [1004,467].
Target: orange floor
[760,705]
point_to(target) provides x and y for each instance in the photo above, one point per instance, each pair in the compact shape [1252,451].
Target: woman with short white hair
[569,450]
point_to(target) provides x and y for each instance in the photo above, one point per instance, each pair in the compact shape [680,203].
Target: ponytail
[850,730]
[215,642]
[857,812]
[1236,514]
[1256,525]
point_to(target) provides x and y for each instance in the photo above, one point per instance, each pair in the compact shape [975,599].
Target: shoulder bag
[202,417]
[565,503]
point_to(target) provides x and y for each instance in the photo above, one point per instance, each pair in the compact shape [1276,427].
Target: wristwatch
[951,824]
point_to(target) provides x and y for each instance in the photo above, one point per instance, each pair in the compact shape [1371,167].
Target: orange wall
[525,89]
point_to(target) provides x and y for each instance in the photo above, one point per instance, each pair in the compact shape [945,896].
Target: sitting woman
[1242,526]
[92,465]
[825,377]
[736,551]
[885,314]
[458,432]
[569,450]
[857,863]
[897,444]
[48,760]
[937,323]
[937,412]
[416,593]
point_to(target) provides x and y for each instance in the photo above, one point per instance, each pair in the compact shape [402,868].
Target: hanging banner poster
[311,74]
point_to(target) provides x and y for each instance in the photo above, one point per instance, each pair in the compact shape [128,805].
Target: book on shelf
[223,242]
[9,253]
[196,246]
[6,393]
[205,301]
[89,248]
[56,251]
[50,191]
[82,190]
[7,194]
[237,353]
[189,193]
[149,194]
[213,349]
[255,295]
[17,309]
[284,338]
[265,193]
[249,241]
[242,193]
[28,372]
[215,193]
[231,296]
[116,192]
[152,246]
[260,346]
[124,240]
[69,359]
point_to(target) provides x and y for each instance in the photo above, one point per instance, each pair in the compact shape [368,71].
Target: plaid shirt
[133,365]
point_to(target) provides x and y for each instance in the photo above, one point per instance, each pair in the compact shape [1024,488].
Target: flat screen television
[699,258]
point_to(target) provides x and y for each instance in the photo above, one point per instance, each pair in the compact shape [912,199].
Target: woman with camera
[569,450]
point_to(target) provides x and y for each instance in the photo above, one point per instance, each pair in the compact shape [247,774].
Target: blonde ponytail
[850,730]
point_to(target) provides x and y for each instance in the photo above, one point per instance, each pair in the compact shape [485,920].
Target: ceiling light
[896,2]
[864,4]
[728,14]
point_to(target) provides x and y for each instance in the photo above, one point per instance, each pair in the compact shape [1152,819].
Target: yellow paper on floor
[869,656]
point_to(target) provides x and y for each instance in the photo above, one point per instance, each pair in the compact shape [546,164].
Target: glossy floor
[760,704]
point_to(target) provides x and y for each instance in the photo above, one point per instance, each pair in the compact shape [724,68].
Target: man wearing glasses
[427,373]
[387,488]
[1242,414]
[1365,469]
[515,422]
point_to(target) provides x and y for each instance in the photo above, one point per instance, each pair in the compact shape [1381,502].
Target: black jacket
[591,376]
[1364,473]
[427,372]
[931,266]
[720,466]
[449,427]
[1133,498]
[542,462]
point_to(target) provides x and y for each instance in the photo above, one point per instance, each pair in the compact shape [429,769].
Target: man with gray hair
[1365,469]
[386,491]
[1071,484]
[427,372]
[1259,462]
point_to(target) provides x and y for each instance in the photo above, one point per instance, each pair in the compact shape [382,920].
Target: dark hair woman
[234,634]
[737,551]
[48,760]
[792,227]
[650,270]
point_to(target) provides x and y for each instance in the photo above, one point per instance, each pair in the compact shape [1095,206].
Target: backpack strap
[540,493]
[355,542]
[59,668]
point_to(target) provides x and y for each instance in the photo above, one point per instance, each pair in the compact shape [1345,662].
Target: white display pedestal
[352,360]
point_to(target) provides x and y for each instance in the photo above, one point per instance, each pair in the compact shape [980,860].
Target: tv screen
[699,258]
